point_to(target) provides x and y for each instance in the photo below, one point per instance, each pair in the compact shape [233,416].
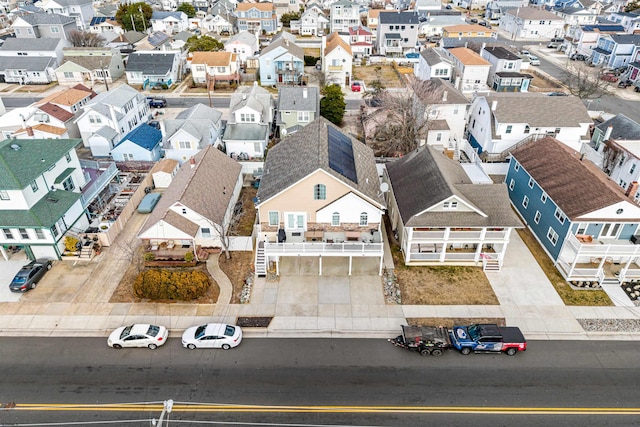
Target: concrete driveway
[8,270]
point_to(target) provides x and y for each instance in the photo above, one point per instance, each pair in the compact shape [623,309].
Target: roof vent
[15,147]
[52,200]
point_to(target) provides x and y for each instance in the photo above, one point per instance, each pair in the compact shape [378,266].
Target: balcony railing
[335,67]
[602,247]
[321,248]
[109,171]
[459,236]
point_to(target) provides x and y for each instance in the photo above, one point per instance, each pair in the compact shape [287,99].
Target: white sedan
[212,335]
[139,335]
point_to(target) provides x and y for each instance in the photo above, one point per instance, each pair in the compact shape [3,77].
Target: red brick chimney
[29,131]
[632,190]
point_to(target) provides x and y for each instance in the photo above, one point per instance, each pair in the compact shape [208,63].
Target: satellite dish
[384,187]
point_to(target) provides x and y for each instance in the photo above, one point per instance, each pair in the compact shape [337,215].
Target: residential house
[574,15]
[25,62]
[40,195]
[471,71]
[157,40]
[122,109]
[169,22]
[151,69]
[616,50]
[71,99]
[582,39]
[163,172]
[212,67]
[44,25]
[433,64]
[337,60]
[617,141]
[531,23]
[257,17]
[470,4]
[426,6]
[344,15]
[55,116]
[191,131]
[89,64]
[499,122]
[319,197]
[287,6]
[361,42]
[633,71]
[297,107]
[454,221]
[105,24]
[445,109]
[397,33]
[249,126]
[584,221]
[372,18]
[469,32]
[196,210]
[282,62]
[41,131]
[495,8]
[629,20]
[311,23]
[505,75]
[244,45]
[433,23]
[81,10]
[143,143]
[218,23]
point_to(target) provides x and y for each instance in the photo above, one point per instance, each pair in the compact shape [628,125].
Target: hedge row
[176,285]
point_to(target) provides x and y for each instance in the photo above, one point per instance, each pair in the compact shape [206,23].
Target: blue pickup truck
[488,338]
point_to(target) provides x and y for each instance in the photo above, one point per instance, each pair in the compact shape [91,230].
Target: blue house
[282,62]
[584,221]
[143,144]
[616,50]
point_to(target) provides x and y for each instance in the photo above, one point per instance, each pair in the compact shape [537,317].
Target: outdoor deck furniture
[171,244]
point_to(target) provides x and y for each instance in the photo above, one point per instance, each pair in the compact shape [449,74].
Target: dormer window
[450,205]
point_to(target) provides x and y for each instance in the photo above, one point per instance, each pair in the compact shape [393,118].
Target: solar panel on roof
[157,38]
[341,154]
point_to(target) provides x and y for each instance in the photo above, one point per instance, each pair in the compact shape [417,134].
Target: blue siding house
[616,50]
[282,62]
[583,220]
[144,143]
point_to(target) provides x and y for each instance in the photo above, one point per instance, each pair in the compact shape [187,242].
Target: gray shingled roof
[206,188]
[246,132]
[290,98]
[623,128]
[29,63]
[577,187]
[43,18]
[434,93]
[254,96]
[307,151]
[151,63]
[29,45]
[243,37]
[427,177]
[398,18]
[196,121]
[501,52]
[432,57]
[539,110]
[286,44]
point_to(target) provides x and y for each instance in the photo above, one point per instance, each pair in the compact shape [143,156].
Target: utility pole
[144,24]
[133,23]
[104,76]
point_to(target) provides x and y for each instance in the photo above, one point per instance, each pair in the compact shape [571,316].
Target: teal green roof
[43,214]
[23,160]
[65,173]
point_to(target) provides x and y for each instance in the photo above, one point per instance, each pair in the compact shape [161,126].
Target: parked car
[624,84]
[158,103]
[29,275]
[578,57]
[212,335]
[533,60]
[612,78]
[484,24]
[525,52]
[138,335]
[355,87]
[554,45]
[448,6]
[558,94]
[473,20]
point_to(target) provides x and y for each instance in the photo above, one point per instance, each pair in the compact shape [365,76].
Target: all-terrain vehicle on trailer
[427,340]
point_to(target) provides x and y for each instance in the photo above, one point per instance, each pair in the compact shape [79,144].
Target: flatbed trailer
[427,340]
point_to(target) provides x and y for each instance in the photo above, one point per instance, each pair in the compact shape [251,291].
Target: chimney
[632,190]
[192,161]
[607,134]
[494,105]
[304,93]
[444,96]
[29,131]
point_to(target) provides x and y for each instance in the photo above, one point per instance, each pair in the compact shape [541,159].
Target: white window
[450,205]
[516,167]
[552,236]
[23,233]
[68,184]
[303,116]
[39,234]
[55,230]
[7,233]
[274,218]
[68,157]
[127,157]
[560,216]
[4,195]
[206,232]
[531,182]
[543,198]
[319,192]
[509,128]
[295,221]
[184,145]
[68,75]
[512,184]
[364,219]
[536,218]
[55,29]
[525,202]
[34,186]
[335,219]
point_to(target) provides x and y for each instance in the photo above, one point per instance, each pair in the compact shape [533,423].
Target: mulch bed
[449,322]
[254,322]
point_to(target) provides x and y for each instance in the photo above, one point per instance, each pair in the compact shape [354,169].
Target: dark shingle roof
[577,187]
[623,128]
[427,177]
[290,98]
[439,92]
[18,44]
[43,18]
[29,63]
[502,53]
[151,63]
[306,151]
[398,18]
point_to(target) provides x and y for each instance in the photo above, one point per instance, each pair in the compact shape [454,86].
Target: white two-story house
[248,128]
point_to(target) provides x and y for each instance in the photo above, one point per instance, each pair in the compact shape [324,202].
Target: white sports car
[212,335]
[139,335]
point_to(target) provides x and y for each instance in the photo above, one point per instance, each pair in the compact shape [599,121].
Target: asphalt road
[319,382]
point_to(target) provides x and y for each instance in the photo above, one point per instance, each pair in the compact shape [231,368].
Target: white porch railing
[455,236]
[602,247]
[321,248]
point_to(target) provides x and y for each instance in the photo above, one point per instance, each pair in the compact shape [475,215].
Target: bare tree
[323,78]
[228,229]
[612,155]
[584,81]
[85,39]
[407,115]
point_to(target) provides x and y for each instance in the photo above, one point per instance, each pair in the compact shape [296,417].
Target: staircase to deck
[261,261]
[491,265]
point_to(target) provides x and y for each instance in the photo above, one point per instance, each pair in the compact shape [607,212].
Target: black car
[158,103]
[29,275]
[578,57]
[625,84]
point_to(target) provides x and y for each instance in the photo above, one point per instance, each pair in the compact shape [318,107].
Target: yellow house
[468,31]
[320,196]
